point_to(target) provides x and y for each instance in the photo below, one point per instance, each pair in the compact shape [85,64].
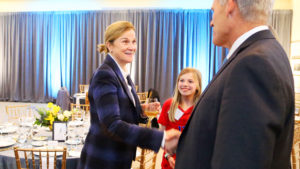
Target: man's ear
[231,6]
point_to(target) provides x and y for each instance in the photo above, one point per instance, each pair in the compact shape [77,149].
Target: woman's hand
[151,107]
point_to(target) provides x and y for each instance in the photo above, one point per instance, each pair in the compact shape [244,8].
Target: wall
[296,18]
[283,4]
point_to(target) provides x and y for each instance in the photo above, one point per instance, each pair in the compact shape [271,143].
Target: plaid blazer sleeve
[118,115]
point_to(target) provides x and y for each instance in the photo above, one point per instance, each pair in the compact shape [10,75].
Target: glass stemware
[22,135]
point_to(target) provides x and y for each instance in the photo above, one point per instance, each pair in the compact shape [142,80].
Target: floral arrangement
[51,114]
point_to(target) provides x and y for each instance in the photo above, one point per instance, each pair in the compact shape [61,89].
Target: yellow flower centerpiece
[51,114]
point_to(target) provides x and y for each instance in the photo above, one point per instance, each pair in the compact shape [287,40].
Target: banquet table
[7,156]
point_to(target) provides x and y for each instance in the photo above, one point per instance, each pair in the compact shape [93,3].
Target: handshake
[171,136]
[171,140]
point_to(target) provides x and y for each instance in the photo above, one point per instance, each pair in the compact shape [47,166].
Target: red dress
[178,124]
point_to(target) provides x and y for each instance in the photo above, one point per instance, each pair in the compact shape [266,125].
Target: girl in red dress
[177,110]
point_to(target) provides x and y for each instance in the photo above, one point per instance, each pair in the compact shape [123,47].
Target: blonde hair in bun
[102,48]
[113,32]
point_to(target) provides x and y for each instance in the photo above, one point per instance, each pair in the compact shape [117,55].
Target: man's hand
[171,140]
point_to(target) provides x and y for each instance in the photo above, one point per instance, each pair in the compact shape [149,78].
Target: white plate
[5,142]
[73,142]
[40,138]
[50,153]
[73,153]
[7,124]
[75,123]
[9,129]
[38,143]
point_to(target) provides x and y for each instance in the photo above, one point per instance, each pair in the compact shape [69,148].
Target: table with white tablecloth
[10,136]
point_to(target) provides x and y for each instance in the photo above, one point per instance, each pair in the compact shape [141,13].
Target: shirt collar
[243,38]
[124,73]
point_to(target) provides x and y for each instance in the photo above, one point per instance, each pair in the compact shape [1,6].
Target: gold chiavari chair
[87,98]
[146,158]
[79,110]
[15,112]
[297,112]
[83,88]
[296,148]
[142,96]
[48,153]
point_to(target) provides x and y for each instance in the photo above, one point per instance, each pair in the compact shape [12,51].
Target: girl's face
[123,48]
[187,85]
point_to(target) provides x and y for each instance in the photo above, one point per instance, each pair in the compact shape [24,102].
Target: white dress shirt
[243,38]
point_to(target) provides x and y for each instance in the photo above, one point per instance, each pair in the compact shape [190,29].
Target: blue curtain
[43,51]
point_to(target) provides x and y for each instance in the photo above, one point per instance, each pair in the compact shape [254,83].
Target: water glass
[22,139]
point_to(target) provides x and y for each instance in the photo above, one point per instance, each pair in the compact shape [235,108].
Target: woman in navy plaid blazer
[115,108]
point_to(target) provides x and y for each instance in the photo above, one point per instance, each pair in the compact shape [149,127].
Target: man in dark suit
[245,117]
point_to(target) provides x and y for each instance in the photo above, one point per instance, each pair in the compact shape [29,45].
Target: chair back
[145,158]
[15,112]
[142,96]
[83,88]
[152,93]
[48,155]
[87,98]
[296,148]
[79,110]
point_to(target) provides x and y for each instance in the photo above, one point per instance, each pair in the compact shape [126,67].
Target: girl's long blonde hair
[177,96]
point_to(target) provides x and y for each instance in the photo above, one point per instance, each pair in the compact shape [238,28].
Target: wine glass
[71,137]
[78,137]
[22,135]
[152,106]
[152,109]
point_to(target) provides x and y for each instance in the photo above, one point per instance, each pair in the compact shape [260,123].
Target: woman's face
[187,85]
[123,48]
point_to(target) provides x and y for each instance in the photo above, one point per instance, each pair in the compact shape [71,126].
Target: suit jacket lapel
[257,36]
[137,101]
[266,34]
[118,73]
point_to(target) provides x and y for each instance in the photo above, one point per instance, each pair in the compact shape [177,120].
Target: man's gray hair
[254,10]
